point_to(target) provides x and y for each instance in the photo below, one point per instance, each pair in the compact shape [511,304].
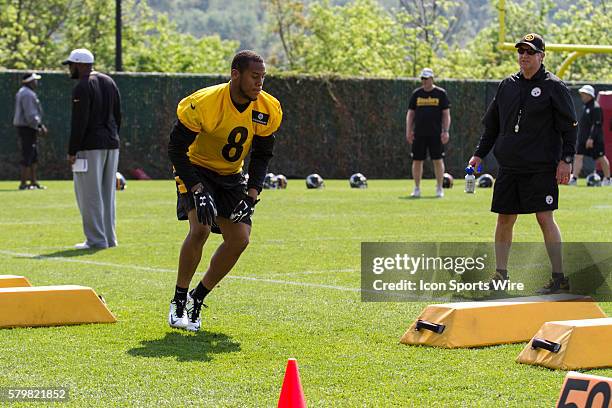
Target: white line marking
[146,268]
[311,272]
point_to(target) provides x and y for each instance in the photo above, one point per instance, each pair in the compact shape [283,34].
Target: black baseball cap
[533,40]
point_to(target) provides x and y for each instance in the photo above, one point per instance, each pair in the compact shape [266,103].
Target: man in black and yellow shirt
[427,125]
[216,128]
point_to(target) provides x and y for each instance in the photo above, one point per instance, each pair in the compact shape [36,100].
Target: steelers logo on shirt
[535,92]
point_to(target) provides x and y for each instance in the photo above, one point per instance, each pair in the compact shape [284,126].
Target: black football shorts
[596,152]
[29,148]
[422,145]
[525,193]
[226,190]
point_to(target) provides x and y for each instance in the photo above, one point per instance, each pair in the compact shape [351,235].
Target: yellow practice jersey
[225,134]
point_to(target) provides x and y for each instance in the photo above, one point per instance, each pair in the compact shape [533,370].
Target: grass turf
[294,293]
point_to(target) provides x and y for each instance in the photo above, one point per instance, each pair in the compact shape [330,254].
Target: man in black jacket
[590,136]
[93,150]
[531,124]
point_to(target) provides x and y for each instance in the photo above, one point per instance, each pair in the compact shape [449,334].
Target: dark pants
[29,149]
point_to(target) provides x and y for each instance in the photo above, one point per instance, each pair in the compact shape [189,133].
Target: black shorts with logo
[422,144]
[29,150]
[226,190]
[596,152]
[529,193]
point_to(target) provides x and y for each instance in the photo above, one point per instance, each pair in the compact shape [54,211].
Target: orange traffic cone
[292,395]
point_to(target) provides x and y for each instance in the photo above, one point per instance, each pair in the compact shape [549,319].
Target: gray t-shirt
[28,111]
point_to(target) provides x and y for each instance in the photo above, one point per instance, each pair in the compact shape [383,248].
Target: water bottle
[470,180]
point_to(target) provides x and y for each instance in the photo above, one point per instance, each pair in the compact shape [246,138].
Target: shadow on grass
[68,253]
[423,197]
[200,346]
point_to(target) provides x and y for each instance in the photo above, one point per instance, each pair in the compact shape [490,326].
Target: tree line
[365,38]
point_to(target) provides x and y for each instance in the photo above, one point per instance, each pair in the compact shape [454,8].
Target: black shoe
[558,285]
[24,187]
[498,277]
[497,283]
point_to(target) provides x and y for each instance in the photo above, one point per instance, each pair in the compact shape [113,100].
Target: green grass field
[294,293]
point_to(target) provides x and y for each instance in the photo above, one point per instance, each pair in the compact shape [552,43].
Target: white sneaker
[82,245]
[177,317]
[194,322]
[606,182]
[573,181]
[439,192]
[416,193]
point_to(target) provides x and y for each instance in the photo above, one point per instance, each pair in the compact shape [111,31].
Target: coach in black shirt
[94,141]
[427,123]
[531,125]
[590,136]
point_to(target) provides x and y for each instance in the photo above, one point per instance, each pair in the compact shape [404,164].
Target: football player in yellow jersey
[215,130]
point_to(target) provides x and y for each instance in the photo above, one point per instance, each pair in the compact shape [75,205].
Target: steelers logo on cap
[529,37]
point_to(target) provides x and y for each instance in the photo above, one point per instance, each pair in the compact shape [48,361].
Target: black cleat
[555,285]
[498,277]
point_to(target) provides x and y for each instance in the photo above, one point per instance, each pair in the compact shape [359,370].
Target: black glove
[205,207]
[245,208]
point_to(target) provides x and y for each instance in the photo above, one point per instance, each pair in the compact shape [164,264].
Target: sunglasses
[529,51]
[424,79]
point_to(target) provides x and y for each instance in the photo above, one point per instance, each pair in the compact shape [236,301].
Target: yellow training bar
[13,281]
[477,324]
[571,345]
[51,306]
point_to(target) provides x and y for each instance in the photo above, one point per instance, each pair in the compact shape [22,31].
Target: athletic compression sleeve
[180,140]
[261,154]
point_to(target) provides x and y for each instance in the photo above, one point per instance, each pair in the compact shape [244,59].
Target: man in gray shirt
[28,122]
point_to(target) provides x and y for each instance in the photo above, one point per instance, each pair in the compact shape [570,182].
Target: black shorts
[227,191]
[421,145]
[29,149]
[596,152]
[525,193]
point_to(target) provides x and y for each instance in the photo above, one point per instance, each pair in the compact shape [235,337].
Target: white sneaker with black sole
[416,193]
[194,322]
[177,317]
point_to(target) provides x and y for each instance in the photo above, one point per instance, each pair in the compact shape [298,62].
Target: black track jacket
[531,123]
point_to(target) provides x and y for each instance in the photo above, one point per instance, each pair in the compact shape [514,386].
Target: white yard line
[165,270]
[316,272]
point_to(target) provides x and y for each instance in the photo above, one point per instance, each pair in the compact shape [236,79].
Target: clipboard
[79,166]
